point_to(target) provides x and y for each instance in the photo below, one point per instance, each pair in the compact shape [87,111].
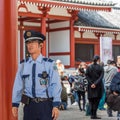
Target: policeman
[37,83]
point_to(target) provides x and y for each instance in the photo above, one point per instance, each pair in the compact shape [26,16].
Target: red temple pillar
[115,36]
[72,37]
[44,11]
[8,55]
[43,30]
[72,44]
[97,49]
[21,42]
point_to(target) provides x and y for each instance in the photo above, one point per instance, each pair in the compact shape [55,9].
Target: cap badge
[28,34]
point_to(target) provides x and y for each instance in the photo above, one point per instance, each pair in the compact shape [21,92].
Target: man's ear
[41,45]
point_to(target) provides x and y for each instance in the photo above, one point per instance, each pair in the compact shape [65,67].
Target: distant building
[72,27]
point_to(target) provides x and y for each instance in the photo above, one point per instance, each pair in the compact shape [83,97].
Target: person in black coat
[94,75]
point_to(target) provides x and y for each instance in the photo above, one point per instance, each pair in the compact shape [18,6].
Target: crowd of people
[91,83]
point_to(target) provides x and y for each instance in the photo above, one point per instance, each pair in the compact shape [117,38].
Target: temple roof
[92,12]
[99,19]
[88,2]
[97,5]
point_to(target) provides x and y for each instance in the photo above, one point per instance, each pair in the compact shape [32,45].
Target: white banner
[105,49]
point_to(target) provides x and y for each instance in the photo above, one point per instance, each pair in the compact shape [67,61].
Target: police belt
[38,99]
[26,100]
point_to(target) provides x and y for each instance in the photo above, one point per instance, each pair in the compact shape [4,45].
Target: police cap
[31,35]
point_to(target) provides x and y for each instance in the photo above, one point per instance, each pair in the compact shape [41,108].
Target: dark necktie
[33,79]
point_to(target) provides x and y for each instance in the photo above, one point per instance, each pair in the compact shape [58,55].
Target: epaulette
[24,60]
[45,59]
[27,59]
[48,59]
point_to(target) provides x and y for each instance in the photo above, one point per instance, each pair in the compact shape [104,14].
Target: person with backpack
[72,79]
[64,98]
[94,75]
[80,86]
[37,83]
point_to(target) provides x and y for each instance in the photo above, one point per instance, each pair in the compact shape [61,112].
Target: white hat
[118,56]
[58,61]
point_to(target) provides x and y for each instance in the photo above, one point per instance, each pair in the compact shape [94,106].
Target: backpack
[64,94]
[80,84]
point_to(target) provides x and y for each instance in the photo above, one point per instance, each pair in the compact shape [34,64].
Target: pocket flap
[39,75]
[25,76]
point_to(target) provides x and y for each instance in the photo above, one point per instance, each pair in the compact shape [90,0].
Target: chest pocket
[43,81]
[25,77]
[26,80]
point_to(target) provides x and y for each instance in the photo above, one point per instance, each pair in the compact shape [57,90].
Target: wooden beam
[59,29]
[96,29]
[27,19]
[29,14]
[36,15]
[59,53]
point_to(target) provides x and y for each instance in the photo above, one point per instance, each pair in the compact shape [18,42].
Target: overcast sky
[116,1]
[113,1]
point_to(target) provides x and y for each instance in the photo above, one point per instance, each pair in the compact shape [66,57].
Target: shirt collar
[39,59]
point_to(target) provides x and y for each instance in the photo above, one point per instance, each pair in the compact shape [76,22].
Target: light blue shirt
[24,80]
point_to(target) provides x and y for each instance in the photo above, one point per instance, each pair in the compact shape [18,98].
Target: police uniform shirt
[24,80]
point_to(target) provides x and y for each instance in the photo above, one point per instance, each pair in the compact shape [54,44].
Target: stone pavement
[73,113]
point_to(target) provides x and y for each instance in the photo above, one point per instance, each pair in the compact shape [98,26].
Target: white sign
[105,49]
